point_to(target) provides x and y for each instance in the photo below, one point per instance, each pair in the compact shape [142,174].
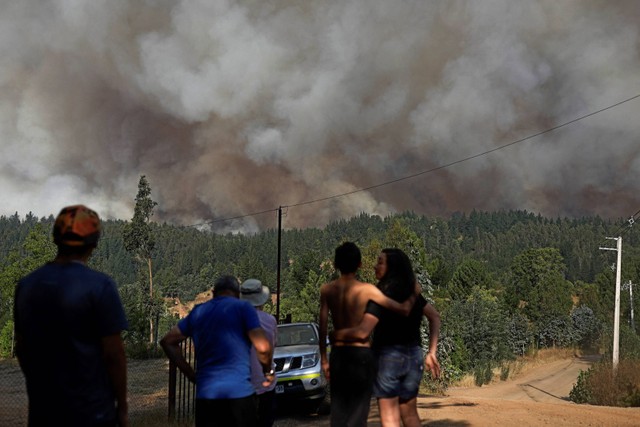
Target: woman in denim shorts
[397,341]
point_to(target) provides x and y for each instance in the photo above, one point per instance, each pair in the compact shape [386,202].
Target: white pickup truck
[298,369]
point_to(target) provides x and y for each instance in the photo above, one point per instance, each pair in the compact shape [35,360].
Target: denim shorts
[400,370]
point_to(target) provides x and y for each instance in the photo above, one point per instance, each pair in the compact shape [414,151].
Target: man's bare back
[346,299]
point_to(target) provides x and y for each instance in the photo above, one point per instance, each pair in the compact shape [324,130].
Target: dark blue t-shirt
[62,311]
[219,329]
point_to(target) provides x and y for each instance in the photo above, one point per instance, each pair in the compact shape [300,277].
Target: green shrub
[483,374]
[581,393]
[140,350]
[6,339]
[505,370]
[632,399]
[448,356]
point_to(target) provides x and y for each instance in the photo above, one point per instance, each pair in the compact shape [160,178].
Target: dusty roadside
[537,398]
[477,411]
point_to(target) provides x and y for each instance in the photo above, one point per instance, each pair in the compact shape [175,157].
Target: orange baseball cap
[76,226]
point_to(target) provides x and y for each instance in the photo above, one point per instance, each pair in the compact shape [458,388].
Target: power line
[445,166]
[471,157]
[630,222]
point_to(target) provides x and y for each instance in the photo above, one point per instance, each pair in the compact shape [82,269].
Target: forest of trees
[506,283]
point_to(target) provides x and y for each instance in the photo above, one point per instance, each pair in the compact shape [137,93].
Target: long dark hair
[399,280]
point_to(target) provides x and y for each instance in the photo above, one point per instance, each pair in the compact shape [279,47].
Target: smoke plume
[236,107]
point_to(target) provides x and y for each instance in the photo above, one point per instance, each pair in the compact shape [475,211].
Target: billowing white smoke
[237,107]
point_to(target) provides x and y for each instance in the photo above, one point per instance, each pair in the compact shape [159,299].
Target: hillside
[181,309]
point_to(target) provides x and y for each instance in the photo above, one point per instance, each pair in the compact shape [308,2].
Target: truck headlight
[309,360]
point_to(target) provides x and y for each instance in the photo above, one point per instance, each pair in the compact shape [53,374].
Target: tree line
[506,283]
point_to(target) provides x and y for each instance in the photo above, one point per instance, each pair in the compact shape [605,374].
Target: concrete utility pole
[629,286]
[633,325]
[616,315]
[279,258]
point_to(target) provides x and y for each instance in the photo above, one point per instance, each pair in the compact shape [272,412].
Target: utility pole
[616,315]
[279,257]
[629,286]
[633,325]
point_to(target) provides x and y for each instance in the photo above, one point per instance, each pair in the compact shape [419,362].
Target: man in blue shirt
[223,330]
[68,320]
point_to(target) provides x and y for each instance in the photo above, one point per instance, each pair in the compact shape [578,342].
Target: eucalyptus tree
[139,240]
[300,296]
[304,304]
[537,286]
[480,331]
[402,237]
[468,274]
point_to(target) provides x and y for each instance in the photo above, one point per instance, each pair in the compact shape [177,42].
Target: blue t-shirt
[219,329]
[62,311]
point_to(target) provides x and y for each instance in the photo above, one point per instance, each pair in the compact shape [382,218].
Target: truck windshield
[296,335]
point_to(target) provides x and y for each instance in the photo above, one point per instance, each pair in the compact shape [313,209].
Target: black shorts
[242,412]
[352,371]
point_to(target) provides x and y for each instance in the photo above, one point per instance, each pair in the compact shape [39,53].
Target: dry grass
[13,403]
[148,397]
[525,364]
[157,419]
[147,383]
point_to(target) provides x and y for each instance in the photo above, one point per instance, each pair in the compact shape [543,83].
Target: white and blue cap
[255,292]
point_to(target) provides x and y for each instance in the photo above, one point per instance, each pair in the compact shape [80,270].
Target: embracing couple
[391,365]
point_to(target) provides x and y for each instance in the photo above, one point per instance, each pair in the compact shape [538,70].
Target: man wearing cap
[223,330]
[68,320]
[253,291]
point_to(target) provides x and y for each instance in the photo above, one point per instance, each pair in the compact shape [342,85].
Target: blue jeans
[400,369]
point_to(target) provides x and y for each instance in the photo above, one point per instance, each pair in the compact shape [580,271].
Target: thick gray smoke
[234,107]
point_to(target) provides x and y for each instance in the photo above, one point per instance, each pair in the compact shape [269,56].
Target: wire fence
[148,394]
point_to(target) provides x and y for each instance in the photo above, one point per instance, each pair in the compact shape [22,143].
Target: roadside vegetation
[603,385]
[508,370]
[508,285]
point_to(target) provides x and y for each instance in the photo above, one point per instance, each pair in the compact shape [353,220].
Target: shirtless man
[351,369]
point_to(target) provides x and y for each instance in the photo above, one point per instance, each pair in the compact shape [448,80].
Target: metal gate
[182,392]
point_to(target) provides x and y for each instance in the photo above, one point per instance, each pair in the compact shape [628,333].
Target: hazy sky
[234,107]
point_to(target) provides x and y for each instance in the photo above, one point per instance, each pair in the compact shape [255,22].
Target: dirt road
[549,383]
[537,398]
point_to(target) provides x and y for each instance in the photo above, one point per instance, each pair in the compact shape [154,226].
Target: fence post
[172,390]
